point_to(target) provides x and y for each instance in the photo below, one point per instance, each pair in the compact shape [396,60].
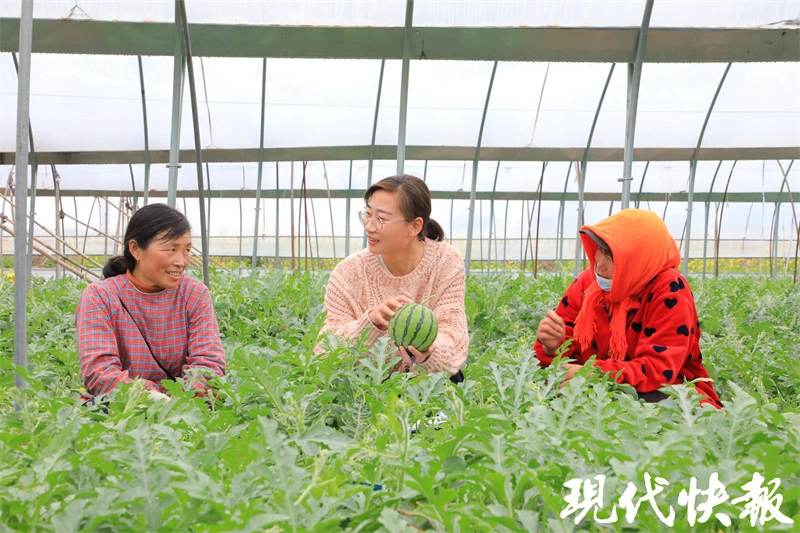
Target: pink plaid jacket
[179,323]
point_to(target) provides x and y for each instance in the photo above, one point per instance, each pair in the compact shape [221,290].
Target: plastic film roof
[473,13]
[93,103]
[86,103]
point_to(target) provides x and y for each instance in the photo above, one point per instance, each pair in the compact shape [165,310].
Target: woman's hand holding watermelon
[412,355]
[384,311]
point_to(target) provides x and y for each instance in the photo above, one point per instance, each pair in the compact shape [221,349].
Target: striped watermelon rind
[414,325]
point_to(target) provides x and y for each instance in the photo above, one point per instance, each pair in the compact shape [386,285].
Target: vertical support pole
[475,161]
[75,206]
[21,162]
[634,79]
[2,214]
[241,235]
[32,216]
[34,175]
[178,77]
[480,230]
[57,193]
[505,232]
[208,200]
[401,133]
[260,160]
[372,141]
[198,152]
[693,170]
[277,217]
[450,233]
[538,222]
[708,213]
[491,219]
[561,212]
[105,241]
[146,194]
[330,210]
[291,209]
[133,189]
[347,212]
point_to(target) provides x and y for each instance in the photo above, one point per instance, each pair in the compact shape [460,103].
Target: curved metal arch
[582,171]
[641,184]
[707,206]
[719,223]
[560,224]
[693,170]
[372,140]
[796,221]
[475,161]
[776,216]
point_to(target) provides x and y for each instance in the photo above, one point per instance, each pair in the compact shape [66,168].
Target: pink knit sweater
[361,282]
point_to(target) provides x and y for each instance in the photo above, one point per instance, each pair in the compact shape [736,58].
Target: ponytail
[432,230]
[117,265]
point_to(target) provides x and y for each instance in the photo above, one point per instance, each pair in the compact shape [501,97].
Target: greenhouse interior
[264,122]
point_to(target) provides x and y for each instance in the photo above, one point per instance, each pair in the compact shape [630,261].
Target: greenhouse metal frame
[184,39]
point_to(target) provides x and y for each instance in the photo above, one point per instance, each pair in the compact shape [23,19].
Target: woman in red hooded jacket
[631,308]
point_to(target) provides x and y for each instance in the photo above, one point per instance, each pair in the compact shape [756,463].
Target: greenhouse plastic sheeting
[679,13]
[86,103]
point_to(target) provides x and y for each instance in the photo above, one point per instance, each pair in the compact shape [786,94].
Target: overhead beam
[604,45]
[551,196]
[413,153]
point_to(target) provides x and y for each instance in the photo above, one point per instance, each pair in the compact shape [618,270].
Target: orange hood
[642,247]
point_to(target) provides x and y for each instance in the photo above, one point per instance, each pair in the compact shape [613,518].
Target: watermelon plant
[294,441]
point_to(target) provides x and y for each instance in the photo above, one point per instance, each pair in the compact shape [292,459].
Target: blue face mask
[604,283]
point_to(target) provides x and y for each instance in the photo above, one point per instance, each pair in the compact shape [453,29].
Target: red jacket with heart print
[657,330]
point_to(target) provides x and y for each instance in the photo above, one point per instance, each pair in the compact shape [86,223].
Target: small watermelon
[414,325]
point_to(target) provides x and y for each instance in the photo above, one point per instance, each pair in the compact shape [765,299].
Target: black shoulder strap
[170,376]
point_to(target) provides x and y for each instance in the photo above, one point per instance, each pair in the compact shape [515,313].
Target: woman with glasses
[406,261]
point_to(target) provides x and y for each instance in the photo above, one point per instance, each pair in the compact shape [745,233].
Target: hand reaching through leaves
[154,395]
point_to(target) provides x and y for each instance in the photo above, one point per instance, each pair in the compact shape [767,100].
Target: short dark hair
[150,222]
[415,201]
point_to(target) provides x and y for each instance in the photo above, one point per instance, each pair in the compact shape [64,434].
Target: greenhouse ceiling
[488,81]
